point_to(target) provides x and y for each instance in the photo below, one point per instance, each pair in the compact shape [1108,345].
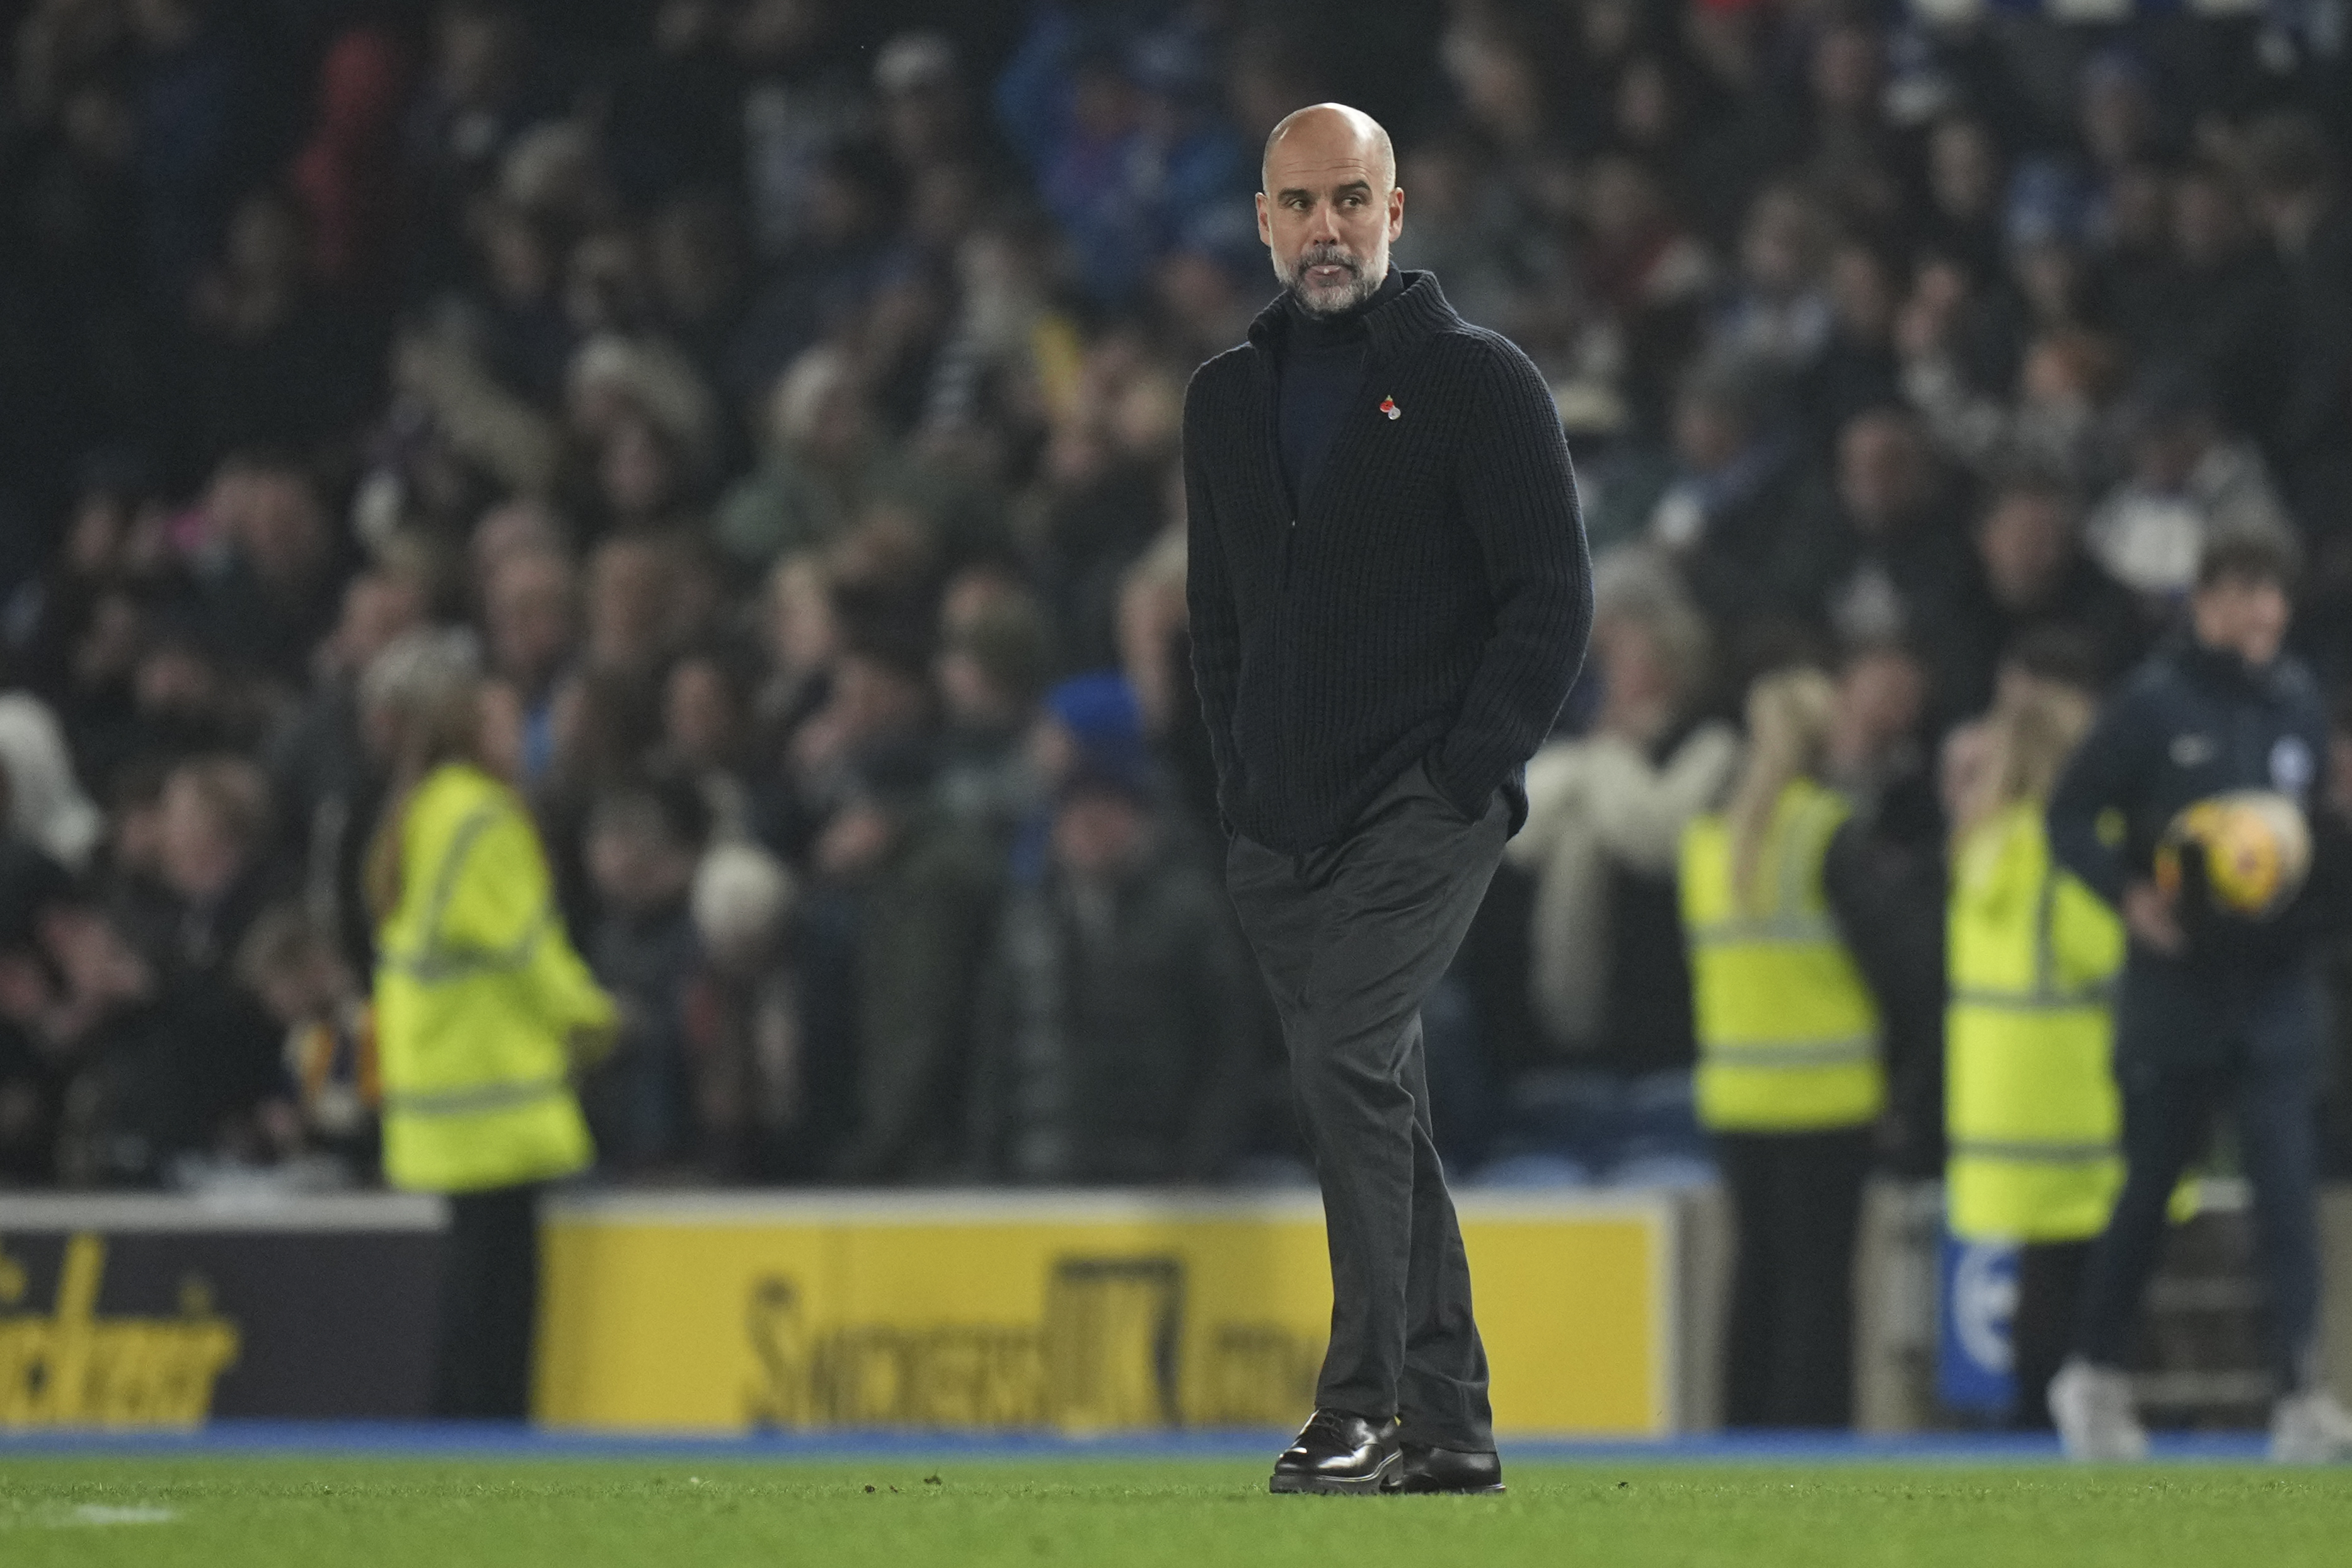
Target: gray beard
[1361,288]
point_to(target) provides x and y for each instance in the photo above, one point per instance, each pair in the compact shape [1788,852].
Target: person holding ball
[2187,808]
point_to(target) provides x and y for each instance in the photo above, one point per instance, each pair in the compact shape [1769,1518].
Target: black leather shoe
[1422,1469]
[1337,1452]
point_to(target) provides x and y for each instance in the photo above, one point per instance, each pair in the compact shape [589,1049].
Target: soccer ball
[2257,851]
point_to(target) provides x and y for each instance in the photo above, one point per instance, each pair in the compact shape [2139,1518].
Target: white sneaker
[2092,1406]
[2310,1428]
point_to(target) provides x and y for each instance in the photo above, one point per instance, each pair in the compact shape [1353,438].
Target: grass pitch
[255,1512]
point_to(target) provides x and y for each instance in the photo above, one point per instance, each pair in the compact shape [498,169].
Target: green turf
[323,1513]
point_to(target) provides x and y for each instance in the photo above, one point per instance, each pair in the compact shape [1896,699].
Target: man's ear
[1264,227]
[1396,212]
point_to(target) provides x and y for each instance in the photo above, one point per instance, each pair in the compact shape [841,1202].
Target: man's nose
[1323,224]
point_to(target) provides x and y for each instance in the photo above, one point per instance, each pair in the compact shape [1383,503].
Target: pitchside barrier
[161,1312]
[1085,1312]
[741,1311]
[1079,1311]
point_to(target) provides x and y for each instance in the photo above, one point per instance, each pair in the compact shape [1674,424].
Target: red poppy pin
[1389,408]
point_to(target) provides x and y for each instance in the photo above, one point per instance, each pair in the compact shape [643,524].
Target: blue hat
[1099,710]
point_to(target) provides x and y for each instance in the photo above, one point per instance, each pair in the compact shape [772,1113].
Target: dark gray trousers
[1351,937]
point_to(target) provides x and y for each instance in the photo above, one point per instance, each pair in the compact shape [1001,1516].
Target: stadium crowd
[785,394]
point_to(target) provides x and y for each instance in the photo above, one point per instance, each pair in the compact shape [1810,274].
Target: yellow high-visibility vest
[2031,1113]
[477,994]
[1788,1030]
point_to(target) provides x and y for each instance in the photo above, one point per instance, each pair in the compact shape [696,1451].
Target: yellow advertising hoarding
[1088,1313]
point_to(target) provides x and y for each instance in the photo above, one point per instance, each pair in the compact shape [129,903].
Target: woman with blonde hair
[2030,1111]
[482,1009]
[1789,1082]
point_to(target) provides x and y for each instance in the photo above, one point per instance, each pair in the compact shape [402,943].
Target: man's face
[1329,212]
[530,617]
[1097,836]
[1878,472]
[2248,616]
[2024,544]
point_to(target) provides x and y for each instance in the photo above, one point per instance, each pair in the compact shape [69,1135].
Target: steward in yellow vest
[1789,1078]
[2032,1119]
[1788,1030]
[2030,1111]
[481,1007]
[479,996]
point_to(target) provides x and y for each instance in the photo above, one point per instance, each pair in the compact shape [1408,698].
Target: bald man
[1390,599]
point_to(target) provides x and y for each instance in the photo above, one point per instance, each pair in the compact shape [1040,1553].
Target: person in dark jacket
[1389,598]
[2213,1009]
[908,897]
[1116,1038]
[644,836]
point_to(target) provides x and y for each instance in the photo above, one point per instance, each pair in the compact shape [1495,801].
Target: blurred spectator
[704,738]
[644,838]
[826,461]
[991,672]
[30,1081]
[1878,555]
[348,176]
[47,807]
[303,980]
[1606,1092]
[1780,314]
[911,899]
[766,1103]
[2031,573]
[166,1074]
[1124,151]
[1725,512]
[529,611]
[483,88]
[2298,196]
[266,566]
[1605,815]
[1962,223]
[214,854]
[191,101]
[326,783]
[2186,484]
[274,361]
[1115,1040]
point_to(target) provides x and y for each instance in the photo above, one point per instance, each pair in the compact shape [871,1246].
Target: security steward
[2031,1118]
[2213,1010]
[482,1009]
[1784,940]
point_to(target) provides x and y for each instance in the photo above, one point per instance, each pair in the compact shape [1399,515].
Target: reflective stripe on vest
[2031,1152]
[1788,1032]
[475,1100]
[438,961]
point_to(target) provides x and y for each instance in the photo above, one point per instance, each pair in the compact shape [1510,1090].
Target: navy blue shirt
[1321,370]
[2191,721]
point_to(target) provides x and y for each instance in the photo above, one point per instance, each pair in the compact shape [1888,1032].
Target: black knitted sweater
[1432,601]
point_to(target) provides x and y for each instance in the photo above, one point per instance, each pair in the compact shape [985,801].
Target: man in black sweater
[1389,597]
